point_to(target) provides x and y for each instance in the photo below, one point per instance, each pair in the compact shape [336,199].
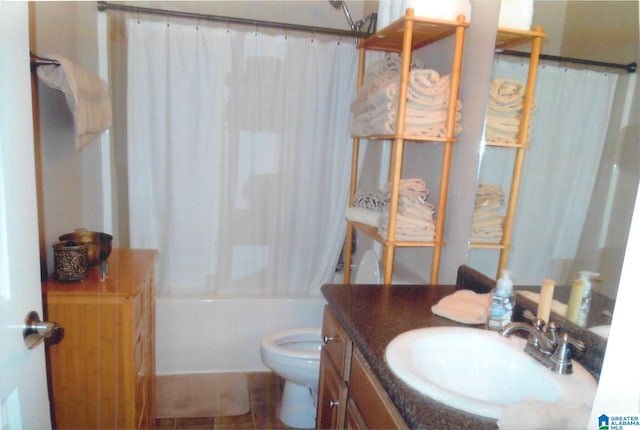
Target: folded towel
[87,96]
[464,306]
[362,215]
[536,415]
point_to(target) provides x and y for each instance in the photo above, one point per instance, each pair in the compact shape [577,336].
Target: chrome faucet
[547,347]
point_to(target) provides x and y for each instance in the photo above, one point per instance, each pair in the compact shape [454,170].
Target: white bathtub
[200,334]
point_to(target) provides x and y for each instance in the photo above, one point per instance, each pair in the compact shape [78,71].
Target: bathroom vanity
[102,371]
[359,322]
[357,387]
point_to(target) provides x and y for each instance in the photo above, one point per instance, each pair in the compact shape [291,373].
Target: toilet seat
[368,271]
[300,343]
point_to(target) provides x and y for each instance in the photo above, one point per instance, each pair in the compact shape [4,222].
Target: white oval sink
[480,371]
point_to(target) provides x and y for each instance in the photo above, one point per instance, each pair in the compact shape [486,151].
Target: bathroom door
[24,400]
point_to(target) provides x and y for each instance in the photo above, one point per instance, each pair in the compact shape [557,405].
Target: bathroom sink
[480,371]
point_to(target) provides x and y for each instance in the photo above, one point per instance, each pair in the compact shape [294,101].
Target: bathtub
[210,334]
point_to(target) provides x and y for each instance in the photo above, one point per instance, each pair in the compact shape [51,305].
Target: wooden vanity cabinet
[335,363]
[332,395]
[102,372]
[349,395]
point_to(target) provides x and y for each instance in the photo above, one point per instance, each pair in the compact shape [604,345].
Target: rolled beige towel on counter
[464,306]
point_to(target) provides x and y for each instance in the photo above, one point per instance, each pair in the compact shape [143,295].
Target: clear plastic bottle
[580,298]
[502,303]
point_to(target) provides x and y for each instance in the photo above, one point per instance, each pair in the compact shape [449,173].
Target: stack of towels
[505,111]
[487,224]
[375,107]
[415,214]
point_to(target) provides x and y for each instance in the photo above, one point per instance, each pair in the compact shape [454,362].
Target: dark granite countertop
[374,315]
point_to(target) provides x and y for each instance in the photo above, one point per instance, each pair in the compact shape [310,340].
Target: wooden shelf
[507,145]
[372,232]
[408,137]
[506,38]
[488,245]
[403,36]
[510,37]
[425,32]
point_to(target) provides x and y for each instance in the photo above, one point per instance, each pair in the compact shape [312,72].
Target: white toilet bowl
[294,354]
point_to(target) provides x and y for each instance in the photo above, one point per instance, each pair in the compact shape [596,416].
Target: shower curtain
[238,155]
[568,133]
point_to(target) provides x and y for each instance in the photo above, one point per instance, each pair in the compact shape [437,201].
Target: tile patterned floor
[265,392]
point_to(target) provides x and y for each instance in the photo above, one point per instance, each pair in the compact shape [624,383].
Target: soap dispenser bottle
[502,303]
[580,298]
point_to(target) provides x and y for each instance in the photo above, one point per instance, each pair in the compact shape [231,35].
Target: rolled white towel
[506,90]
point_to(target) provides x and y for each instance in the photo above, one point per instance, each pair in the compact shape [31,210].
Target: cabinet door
[332,396]
[370,400]
[336,342]
[355,420]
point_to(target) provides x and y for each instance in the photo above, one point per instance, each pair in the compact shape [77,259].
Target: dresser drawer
[336,343]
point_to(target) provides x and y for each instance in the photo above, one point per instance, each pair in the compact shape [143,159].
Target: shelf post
[523,135]
[447,151]
[397,149]
[353,184]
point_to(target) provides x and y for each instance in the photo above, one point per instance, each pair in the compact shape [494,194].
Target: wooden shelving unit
[403,36]
[507,38]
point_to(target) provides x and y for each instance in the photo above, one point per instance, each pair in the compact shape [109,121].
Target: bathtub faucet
[551,349]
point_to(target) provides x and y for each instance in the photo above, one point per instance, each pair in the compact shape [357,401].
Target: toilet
[294,354]
[368,271]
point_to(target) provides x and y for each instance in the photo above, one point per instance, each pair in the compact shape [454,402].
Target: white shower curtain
[238,155]
[569,129]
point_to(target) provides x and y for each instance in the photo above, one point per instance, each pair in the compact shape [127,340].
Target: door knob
[35,331]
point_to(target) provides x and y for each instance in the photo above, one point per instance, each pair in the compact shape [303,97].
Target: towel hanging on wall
[87,96]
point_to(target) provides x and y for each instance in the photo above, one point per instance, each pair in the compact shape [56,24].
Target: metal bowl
[99,244]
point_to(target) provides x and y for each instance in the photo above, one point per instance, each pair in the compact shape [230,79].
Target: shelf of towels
[415,224]
[375,106]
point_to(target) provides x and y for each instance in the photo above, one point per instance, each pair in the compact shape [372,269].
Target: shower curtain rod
[630,68]
[104,6]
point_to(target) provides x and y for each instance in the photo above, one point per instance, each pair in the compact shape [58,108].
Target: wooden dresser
[102,372]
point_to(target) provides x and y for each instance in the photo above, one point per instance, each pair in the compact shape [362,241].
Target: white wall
[70,182]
